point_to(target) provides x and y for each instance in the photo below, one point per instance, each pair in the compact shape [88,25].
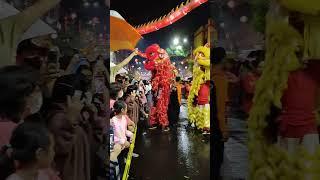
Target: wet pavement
[235,163]
[178,154]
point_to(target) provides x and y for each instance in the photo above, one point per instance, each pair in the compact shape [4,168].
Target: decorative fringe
[268,161]
[200,117]
[312,37]
[311,7]
[175,14]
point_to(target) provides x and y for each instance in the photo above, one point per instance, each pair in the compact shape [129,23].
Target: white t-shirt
[148,88]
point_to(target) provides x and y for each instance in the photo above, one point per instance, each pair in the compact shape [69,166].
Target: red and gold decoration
[162,70]
[170,18]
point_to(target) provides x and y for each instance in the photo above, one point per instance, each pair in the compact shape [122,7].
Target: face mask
[120,94]
[35,103]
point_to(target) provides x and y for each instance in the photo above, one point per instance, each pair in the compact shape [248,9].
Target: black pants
[122,162]
[173,108]
[218,149]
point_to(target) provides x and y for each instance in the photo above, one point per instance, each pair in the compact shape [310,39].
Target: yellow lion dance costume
[268,161]
[198,100]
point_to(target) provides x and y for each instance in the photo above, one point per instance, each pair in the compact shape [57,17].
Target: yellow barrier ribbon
[129,157]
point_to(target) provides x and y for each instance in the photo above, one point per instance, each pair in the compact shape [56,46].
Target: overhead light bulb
[176,41]
[185,40]
[96,4]
[86,4]
[231,4]
[243,19]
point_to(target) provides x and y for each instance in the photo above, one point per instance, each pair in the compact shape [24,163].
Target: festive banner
[172,17]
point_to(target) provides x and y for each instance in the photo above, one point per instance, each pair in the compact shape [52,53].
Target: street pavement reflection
[182,153]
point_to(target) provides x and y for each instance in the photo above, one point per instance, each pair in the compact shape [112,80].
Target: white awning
[114,13]
[39,28]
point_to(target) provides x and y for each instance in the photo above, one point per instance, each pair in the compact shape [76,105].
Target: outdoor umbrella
[39,28]
[122,35]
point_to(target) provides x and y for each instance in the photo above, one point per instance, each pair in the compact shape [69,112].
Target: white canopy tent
[121,71]
[116,14]
[39,28]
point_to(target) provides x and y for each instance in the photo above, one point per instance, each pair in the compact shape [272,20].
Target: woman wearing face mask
[20,97]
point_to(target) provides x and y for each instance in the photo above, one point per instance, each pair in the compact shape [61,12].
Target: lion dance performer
[198,100]
[158,62]
[282,123]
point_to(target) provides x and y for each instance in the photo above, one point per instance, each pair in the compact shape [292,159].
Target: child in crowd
[121,123]
[116,93]
[29,155]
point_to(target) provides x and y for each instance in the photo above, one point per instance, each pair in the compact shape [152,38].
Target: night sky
[141,11]
[68,6]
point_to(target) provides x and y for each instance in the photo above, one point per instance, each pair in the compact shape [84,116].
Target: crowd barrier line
[129,157]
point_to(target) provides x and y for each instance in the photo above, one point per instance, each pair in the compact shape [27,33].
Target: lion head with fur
[202,55]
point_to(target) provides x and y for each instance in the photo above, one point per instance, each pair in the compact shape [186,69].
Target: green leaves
[177,51]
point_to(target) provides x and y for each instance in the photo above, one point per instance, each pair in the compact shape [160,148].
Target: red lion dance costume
[158,62]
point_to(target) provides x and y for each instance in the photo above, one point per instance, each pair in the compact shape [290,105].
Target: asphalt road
[178,154]
[235,165]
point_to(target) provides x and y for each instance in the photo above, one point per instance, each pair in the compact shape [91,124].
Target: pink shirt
[112,103]
[6,129]
[120,126]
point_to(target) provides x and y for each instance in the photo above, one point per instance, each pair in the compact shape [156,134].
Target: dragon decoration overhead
[173,16]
